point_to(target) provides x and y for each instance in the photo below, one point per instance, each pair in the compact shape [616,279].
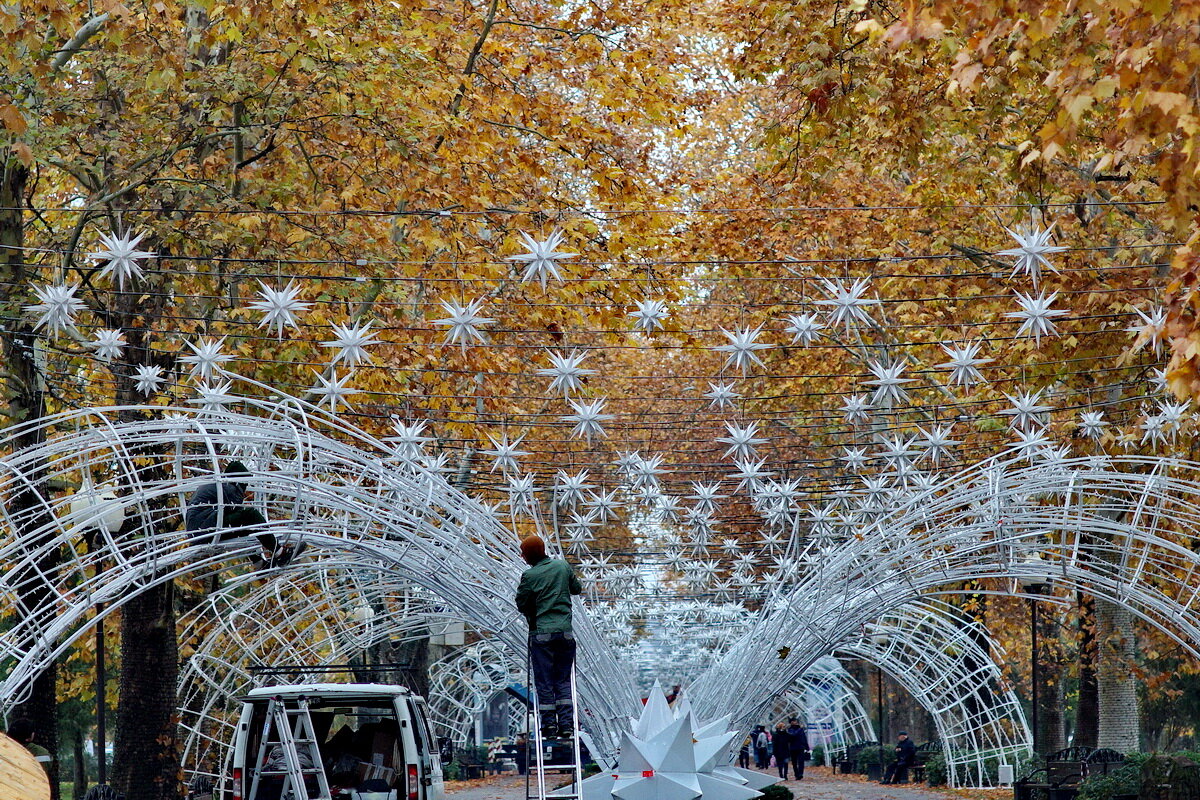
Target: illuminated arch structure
[1121,529]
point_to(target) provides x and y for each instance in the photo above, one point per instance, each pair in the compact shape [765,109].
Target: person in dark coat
[798,749]
[780,749]
[544,597]
[906,756]
[220,510]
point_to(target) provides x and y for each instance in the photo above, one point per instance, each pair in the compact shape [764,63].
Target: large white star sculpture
[541,259]
[669,755]
[122,256]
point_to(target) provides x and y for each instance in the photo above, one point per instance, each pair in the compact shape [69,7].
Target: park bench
[1103,761]
[1059,779]
[924,752]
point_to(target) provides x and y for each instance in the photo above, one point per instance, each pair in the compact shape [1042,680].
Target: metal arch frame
[986,522]
[932,649]
[828,672]
[390,517]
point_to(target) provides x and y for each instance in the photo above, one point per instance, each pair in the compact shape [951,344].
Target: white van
[374,742]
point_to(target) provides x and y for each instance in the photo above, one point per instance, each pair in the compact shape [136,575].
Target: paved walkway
[818,784]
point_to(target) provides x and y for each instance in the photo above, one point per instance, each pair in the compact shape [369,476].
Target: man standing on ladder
[544,597]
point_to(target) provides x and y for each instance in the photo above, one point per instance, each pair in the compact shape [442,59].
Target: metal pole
[879,704]
[101,745]
[1034,677]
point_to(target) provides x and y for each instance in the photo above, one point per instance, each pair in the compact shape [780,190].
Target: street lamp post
[101,511]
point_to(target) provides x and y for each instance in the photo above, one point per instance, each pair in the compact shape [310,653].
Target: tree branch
[76,42]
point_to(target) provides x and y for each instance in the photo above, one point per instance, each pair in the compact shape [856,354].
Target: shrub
[818,755]
[870,755]
[935,770]
[777,792]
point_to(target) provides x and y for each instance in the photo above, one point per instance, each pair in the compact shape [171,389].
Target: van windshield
[358,742]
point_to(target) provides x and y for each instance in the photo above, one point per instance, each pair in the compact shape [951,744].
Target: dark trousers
[761,757]
[781,761]
[239,521]
[798,757]
[896,773]
[744,758]
[551,656]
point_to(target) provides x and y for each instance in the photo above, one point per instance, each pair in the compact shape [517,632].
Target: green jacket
[544,595]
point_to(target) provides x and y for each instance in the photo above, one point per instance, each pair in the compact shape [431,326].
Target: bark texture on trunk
[146,756]
[1117,687]
[1087,716]
[24,396]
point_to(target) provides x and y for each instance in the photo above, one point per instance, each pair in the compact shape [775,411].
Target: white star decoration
[332,389]
[937,442]
[649,316]
[213,397]
[464,322]
[148,378]
[57,309]
[566,372]
[206,357]
[351,342]
[741,441]
[1151,328]
[668,755]
[742,348]
[964,363]
[589,419]
[721,395]
[1036,315]
[542,258]
[848,301]
[1092,424]
[569,489]
[122,255]
[1033,245]
[804,328]
[108,344]
[409,440]
[279,306]
[888,383]
[1027,410]
[505,454]
[856,409]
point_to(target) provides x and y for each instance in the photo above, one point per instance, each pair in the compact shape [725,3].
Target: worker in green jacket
[544,597]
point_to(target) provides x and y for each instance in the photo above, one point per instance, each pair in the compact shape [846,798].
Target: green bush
[935,770]
[777,792]
[452,771]
[870,755]
[818,755]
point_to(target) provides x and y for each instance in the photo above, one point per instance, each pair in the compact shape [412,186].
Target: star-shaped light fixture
[121,255]
[650,316]
[1152,326]
[743,347]
[1037,316]
[937,442]
[332,389]
[804,328]
[889,383]
[279,306]
[588,418]
[566,372]
[464,322]
[1033,245]
[352,342]
[856,409]
[1092,424]
[57,308]
[848,302]
[569,490]
[742,441]
[213,397]
[408,439]
[964,363]
[721,395]
[148,378]
[505,453]
[541,259]
[206,357]
[108,344]
[1027,410]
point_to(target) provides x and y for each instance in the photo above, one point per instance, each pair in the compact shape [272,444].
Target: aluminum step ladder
[291,730]
[535,775]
